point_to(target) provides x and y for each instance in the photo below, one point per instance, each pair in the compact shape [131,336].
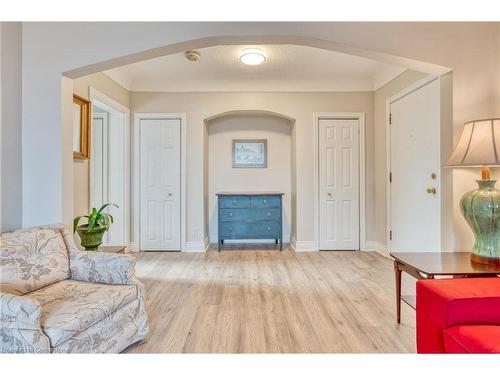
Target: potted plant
[92,232]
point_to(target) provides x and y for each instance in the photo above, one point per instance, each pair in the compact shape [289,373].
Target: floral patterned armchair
[57,298]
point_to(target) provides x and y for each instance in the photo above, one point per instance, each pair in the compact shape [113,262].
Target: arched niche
[279,175]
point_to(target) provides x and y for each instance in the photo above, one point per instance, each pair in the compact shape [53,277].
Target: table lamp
[479,146]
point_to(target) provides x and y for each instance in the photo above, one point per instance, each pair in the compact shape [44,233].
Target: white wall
[11,140]
[223,177]
[296,105]
[81,169]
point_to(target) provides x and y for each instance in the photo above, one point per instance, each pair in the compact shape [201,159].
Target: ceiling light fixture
[252,56]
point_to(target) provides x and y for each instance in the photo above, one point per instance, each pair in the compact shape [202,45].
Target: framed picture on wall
[249,153]
[81,127]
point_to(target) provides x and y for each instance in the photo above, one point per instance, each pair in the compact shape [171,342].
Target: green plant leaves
[76,220]
[96,218]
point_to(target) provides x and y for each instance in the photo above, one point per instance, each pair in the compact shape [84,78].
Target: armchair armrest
[104,268]
[445,303]
[20,330]
[19,311]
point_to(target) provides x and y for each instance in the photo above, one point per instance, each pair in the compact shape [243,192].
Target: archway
[197,223]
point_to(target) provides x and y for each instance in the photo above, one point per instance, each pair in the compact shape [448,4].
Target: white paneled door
[339,184]
[160,185]
[415,205]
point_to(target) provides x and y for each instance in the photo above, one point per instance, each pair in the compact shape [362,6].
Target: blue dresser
[244,216]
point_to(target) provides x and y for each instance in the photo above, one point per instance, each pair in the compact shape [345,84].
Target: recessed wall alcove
[219,174]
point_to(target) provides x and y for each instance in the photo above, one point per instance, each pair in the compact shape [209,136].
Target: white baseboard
[376,246]
[302,245]
[196,246]
[133,247]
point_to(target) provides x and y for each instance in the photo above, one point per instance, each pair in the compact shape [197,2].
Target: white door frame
[408,90]
[110,104]
[360,116]
[136,209]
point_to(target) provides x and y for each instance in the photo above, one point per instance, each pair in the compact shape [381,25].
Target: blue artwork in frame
[249,153]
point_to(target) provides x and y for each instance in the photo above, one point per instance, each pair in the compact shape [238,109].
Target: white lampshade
[479,145]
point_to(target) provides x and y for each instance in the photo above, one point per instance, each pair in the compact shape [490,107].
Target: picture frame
[81,127]
[249,153]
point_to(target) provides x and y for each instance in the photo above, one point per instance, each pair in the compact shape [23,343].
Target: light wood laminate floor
[266,301]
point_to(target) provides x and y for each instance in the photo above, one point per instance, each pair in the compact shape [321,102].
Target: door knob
[330,195]
[431,190]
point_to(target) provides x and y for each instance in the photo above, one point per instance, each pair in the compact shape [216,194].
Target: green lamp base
[481,209]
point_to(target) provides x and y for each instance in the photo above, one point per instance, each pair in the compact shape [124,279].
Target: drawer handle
[231,214]
[268,214]
[235,202]
[268,228]
[265,201]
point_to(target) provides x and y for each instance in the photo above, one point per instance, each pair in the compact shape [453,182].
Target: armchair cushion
[472,339]
[98,267]
[31,259]
[444,303]
[70,307]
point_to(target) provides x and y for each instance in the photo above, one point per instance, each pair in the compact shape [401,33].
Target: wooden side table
[113,249]
[428,265]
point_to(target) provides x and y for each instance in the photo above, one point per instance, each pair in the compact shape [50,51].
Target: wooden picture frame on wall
[81,127]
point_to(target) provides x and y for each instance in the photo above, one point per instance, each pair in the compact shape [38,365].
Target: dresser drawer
[228,229]
[265,201]
[261,214]
[265,229]
[235,214]
[239,230]
[234,202]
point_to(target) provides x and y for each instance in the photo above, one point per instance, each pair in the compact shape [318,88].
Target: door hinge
[390,235]
[390,176]
[390,118]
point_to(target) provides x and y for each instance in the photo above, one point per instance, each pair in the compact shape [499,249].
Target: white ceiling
[288,68]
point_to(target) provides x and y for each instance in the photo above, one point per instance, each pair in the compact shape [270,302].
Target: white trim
[408,90]
[197,246]
[116,106]
[136,176]
[96,94]
[133,247]
[376,246]
[302,246]
[360,116]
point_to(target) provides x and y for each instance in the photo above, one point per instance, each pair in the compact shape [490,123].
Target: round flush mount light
[252,56]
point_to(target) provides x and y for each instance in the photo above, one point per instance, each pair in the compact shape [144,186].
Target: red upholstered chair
[458,315]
